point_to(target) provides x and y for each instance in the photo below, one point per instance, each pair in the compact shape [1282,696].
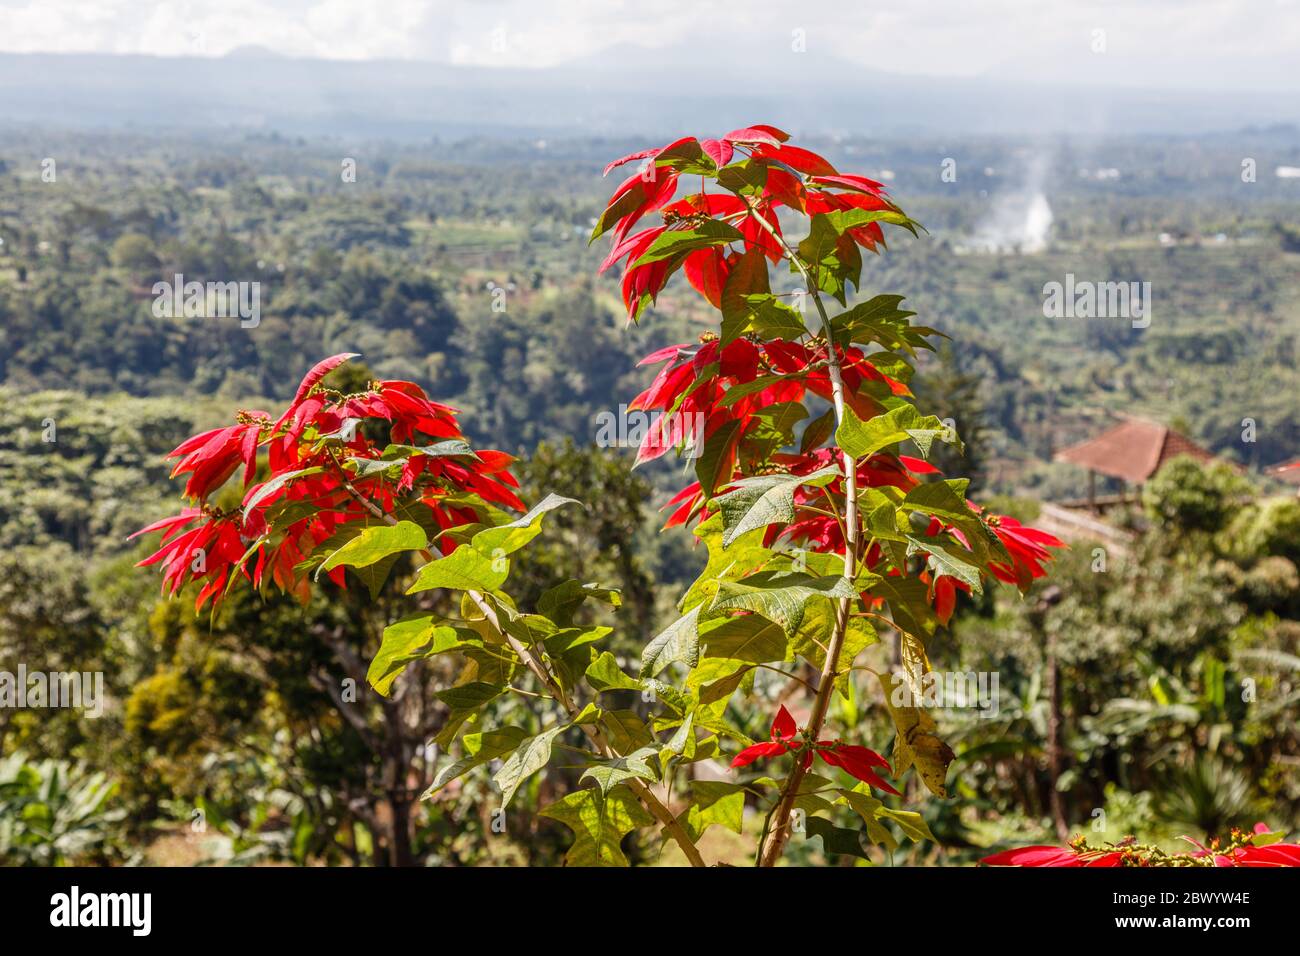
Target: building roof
[1133,450]
[1288,471]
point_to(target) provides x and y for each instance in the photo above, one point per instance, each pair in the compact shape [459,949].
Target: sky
[1170,44]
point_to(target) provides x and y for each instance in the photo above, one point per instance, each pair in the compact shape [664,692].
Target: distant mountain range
[620,91]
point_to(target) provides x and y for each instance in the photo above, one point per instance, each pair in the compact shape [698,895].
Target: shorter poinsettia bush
[1262,848]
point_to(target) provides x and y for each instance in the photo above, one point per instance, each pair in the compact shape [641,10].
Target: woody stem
[539,669]
[780,828]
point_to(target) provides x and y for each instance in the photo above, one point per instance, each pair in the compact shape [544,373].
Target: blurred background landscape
[458,259]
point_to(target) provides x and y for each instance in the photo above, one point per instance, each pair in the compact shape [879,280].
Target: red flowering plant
[322,496]
[1261,848]
[858,761]
[824,523]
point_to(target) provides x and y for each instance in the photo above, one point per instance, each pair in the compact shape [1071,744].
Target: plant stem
[531,661]
[780,831]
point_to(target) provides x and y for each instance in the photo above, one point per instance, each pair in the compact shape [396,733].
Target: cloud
[1176,43]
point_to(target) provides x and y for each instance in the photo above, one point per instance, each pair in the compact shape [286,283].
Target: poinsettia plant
[824,525]
[1260,848]
[324,495]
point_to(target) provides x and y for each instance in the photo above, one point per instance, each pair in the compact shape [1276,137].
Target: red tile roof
[1288,471]
[1133,450]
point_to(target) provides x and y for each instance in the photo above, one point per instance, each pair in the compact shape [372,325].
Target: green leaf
[749,638]
[868,807]
[560,602]
[683,741]
[714,680]
[714,803]
[718,458]
[688,158]
[942,499]
[275,484]
[376,543]
[373,576]
[874,812]
[744,389]
[836,841]
[946,500]
[407,640]
[820,242]
[395,456]
[465,569]
[910,822]
[530,756]
[627,731]
[447,448]
[477,749]
[879,308]
[369,467]
[817,431]
[674,242]
[909,605]
[947,558]
[604,674]
[814,632]
[780,597]
[881,321]
[772,428]
[509,538]
[610,773]
[469,696]
[745,177]
[679,641]
[771,318]
[745,555]
[834,259]
[843,220]
[861,439]
[768,499]
[599,823]
[747,278]
[572,638]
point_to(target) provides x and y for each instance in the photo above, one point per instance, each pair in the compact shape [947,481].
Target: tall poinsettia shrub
[822,531]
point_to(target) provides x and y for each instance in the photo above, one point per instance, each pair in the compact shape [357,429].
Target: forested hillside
[443,262]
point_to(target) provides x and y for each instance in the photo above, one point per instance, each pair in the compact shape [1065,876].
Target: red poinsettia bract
[783,175]
[1240,850]
[325,477]
[1052,856]
[785,738]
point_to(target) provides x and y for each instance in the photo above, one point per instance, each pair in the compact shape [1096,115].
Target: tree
[134,253]
[956,394]
[1188,496]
